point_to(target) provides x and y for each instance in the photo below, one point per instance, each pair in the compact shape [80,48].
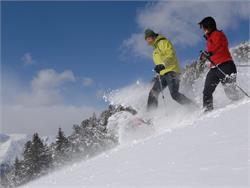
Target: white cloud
[40,108]
[49,78]
[46,88]
[87,81]
[27,59]
[178,21]
[43,119]
[135,45]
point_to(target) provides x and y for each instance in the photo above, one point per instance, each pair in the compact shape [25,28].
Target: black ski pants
[214,77]
[170,79]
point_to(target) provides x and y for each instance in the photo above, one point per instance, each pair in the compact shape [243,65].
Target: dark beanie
[149,33]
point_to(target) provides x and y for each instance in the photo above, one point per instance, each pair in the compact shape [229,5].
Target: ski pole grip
[205,53]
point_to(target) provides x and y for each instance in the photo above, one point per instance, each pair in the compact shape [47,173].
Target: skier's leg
[230,88]
[153,96]
[229,83]
[154,93]
[212,80]
[173,85]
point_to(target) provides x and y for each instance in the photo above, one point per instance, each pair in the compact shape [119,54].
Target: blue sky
[82,36]
[100,45]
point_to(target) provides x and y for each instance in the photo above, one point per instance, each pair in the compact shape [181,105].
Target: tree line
[88,139]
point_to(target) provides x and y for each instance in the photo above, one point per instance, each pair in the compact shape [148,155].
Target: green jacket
[164,53]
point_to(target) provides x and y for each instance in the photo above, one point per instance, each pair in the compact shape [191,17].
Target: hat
[149,33]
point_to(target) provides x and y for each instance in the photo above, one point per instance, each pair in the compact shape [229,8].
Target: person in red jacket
[217,48]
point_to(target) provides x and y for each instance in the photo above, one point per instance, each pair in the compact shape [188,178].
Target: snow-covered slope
[183,148]
[212,151]
[11,146]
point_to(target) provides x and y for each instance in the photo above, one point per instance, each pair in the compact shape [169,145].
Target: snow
[212,151]
[184,147]
[11,146]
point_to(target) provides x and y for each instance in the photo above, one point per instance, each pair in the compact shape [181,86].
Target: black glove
[159,68]
[205,55]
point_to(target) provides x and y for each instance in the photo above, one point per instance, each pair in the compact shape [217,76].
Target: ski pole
[207,56]
[161,88]
[162,94]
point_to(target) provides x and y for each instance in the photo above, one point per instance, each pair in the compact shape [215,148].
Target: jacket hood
[158,38]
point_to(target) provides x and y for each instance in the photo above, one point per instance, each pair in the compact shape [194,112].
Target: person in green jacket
[167,67]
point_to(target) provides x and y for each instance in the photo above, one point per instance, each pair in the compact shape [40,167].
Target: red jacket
[217,45]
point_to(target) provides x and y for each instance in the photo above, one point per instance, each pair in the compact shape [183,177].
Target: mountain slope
[184,148]
[11,146]
[213,151]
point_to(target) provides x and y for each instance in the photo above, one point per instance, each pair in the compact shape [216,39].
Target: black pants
[214,77]
[170,79]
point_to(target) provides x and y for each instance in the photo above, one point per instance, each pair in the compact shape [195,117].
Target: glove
[202,57]
[159,68]
[205,55]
